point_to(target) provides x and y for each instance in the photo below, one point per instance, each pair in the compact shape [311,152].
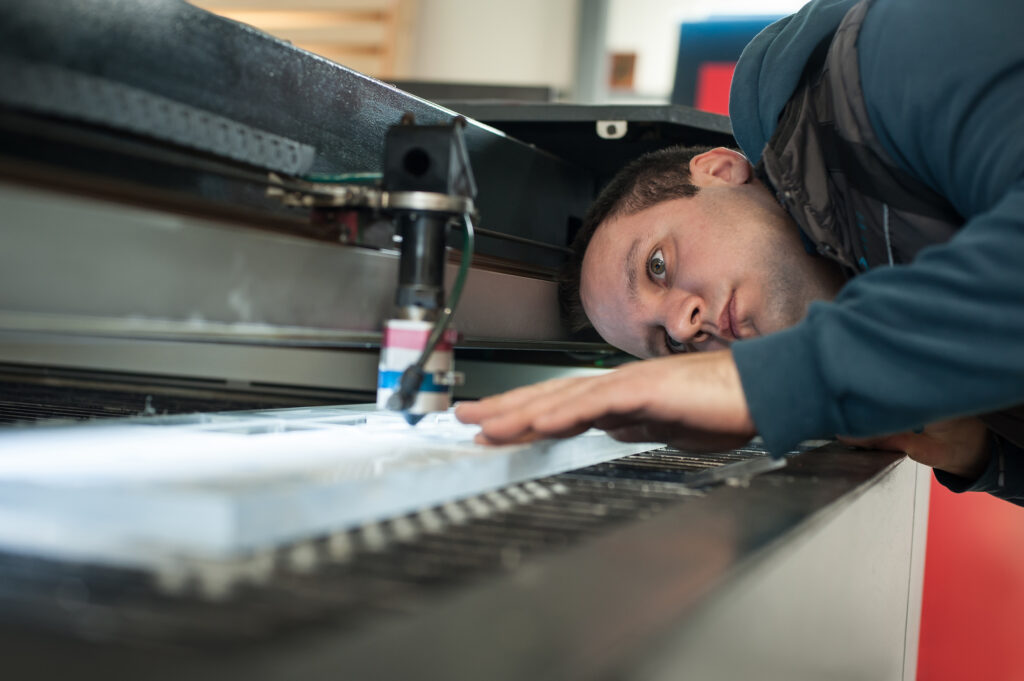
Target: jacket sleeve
[904,346]
[901,347]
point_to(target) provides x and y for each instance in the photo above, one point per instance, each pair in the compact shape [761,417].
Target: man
[888,138]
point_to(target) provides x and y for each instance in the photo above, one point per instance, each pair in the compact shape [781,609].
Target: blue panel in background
[716,39]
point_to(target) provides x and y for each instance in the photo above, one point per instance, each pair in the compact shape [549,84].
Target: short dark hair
[655,177]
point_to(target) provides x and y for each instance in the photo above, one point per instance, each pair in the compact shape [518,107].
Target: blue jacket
[943,336]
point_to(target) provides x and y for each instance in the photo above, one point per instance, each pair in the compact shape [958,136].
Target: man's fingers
[615,397]
[572,410]
[660,392]
[475,412]
[506,426]
[696,392]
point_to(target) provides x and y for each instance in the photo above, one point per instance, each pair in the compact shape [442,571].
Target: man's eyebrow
[632,271]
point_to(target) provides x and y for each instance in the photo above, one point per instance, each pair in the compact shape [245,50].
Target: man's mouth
[727,325]
[733,318]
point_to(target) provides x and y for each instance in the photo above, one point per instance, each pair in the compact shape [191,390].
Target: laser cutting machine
[216,247]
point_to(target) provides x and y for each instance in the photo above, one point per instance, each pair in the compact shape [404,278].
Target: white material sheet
[212,486]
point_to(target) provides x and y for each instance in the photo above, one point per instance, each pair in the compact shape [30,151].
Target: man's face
[698,273]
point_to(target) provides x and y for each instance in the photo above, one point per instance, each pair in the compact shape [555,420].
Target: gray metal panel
[65,255]
[841,602]
[578,132]
[603,609]
[172,49]
[915,578]
[685,117]
[53,91]
[438,90]
[242,365]
[594,617]
[237,365]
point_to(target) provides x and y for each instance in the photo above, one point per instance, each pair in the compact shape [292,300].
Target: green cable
[409,383]
[468,239]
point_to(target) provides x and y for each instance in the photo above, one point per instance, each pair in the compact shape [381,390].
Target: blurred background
[651,52]
[96,199]
[586,51]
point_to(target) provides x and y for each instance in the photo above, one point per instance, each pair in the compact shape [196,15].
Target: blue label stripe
[389,380]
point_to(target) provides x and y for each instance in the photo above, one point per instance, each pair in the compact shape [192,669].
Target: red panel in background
[972,617]
[713,82]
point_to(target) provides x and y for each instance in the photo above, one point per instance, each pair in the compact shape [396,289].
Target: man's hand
[957,446]
[694,402]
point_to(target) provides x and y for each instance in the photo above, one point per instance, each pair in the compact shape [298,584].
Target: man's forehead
[605,281]
[603,262]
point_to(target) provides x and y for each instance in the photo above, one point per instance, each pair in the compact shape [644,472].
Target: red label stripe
[415,339]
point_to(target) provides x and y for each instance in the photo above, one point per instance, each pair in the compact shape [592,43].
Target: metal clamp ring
[426,201]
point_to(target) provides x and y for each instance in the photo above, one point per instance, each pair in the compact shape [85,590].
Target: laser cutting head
[430,185]
[402,343]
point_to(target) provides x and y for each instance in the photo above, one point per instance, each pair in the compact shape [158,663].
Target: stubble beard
[792,287]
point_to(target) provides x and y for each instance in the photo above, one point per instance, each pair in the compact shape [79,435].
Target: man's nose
[684,319]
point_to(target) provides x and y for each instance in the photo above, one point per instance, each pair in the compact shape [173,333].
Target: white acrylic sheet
[140,491]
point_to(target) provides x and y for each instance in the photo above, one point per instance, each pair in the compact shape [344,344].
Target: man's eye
[656,265]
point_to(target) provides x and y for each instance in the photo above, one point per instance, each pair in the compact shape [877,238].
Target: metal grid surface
[24,402]
[384,569]
[380,570]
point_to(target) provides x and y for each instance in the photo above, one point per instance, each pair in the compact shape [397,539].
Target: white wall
[527,42]
[651,29]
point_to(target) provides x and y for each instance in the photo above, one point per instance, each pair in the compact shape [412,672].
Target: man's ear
[720,166]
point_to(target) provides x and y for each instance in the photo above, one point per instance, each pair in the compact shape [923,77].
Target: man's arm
[694,402]
[906,346]
[910,345]
[901,347]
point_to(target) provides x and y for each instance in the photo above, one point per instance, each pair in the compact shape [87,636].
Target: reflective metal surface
[637,568]
[54,91]
[602,137]
[255,365]
[66,255]
[618,600]
[173,50]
